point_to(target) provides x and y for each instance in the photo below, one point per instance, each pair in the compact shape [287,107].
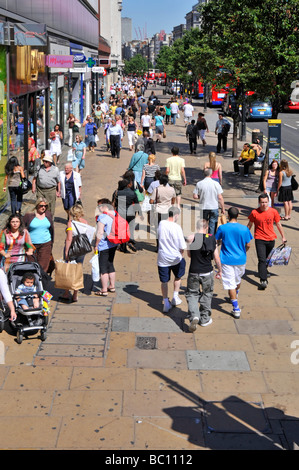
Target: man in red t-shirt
[264,219]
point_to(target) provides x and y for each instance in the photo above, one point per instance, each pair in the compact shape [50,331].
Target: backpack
[120,231]
[226,128]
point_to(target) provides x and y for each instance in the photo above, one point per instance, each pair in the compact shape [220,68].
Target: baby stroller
[33,319]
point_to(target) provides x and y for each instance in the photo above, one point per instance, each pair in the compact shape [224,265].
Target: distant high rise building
[126,30]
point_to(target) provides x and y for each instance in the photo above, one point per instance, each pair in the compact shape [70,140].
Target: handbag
[26,185]
[75,128]
[80,245]
[69,276]
[164,133]
[294,183]
[140,196]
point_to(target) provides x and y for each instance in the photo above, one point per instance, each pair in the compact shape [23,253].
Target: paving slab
[217,360]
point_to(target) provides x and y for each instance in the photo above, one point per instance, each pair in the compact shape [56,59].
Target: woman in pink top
[216,167]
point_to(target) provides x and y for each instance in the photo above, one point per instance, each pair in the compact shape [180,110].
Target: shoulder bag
[80,245]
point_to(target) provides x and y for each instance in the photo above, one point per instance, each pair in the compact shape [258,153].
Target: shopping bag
[279,256]
[221,220]
[95,268]
[69,276]
[70,155]
[146,206]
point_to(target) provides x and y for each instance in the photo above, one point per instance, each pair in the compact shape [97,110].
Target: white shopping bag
[95,268]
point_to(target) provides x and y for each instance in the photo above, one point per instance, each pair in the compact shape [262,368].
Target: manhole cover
[146,342]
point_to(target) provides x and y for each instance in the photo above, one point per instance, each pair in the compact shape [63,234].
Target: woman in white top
[55,143]
[70,186]
[75,224]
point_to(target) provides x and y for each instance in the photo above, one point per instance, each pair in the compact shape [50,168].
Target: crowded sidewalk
[117,373]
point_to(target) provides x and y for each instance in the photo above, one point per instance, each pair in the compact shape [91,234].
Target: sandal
[100,293]
[111,289]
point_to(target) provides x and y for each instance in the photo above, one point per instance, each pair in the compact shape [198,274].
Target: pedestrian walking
[209,193]
[202,250]
[175,169]
[191,136]
[46,182]
[114,135]
[235,242]
[215,166]
[202,127]
[170,257]
[284,189]
[263,218]
[14,173]
[221,130]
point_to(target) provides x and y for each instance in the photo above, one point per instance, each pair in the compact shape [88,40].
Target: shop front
[28,91]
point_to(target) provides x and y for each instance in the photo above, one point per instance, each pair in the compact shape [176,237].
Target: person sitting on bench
[246,158]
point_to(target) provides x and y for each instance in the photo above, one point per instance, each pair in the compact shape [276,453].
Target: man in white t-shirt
[188,112]
[170,256]
[174,111]
[146,121]
[209,193]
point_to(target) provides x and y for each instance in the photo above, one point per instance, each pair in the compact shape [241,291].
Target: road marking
[292,127]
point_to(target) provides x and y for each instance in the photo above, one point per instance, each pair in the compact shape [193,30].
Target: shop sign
[98,70]
[91,62]
[29,63]
[60,61]
[79,58]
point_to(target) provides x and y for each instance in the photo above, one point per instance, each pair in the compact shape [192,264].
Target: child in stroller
[30,299]
[28,287]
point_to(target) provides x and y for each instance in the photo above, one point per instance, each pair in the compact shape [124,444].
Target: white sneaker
[193,324]
[167,306]
[236,312]
[176,301]
[207,322]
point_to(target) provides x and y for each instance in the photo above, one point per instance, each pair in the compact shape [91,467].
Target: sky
[155,15]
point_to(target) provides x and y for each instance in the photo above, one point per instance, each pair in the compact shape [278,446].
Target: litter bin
[257,134]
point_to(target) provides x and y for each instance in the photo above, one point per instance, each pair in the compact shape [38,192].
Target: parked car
[258,108]
[292,106]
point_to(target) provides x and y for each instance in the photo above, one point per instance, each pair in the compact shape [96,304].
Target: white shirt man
[188,112]
[209,193]
[170,256]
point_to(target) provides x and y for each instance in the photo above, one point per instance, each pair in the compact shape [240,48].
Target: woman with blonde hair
[148,171]
[284,189]
[216,167]
[76,225]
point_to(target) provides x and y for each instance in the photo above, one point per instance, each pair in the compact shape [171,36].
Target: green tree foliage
[138,65]
[258,41]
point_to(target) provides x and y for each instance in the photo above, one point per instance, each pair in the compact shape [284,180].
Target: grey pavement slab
[156,359]
[153,325]
[217,360]
[260,327]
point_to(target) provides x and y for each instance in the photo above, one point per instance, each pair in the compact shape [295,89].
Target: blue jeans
[200,291]
[173,118]
[212,217]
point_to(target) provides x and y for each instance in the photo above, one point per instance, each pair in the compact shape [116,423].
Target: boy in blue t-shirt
[235,242]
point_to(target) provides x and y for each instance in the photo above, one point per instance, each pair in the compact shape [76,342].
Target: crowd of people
[146,187]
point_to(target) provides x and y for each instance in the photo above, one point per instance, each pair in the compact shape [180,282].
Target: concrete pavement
[117,374]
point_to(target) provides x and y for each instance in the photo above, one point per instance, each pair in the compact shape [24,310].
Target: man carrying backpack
[191,135]
[221,130]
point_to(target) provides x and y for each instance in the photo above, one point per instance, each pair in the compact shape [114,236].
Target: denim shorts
[178,271]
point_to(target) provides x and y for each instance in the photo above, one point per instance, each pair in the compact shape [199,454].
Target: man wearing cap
[221,130]
[46,182]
